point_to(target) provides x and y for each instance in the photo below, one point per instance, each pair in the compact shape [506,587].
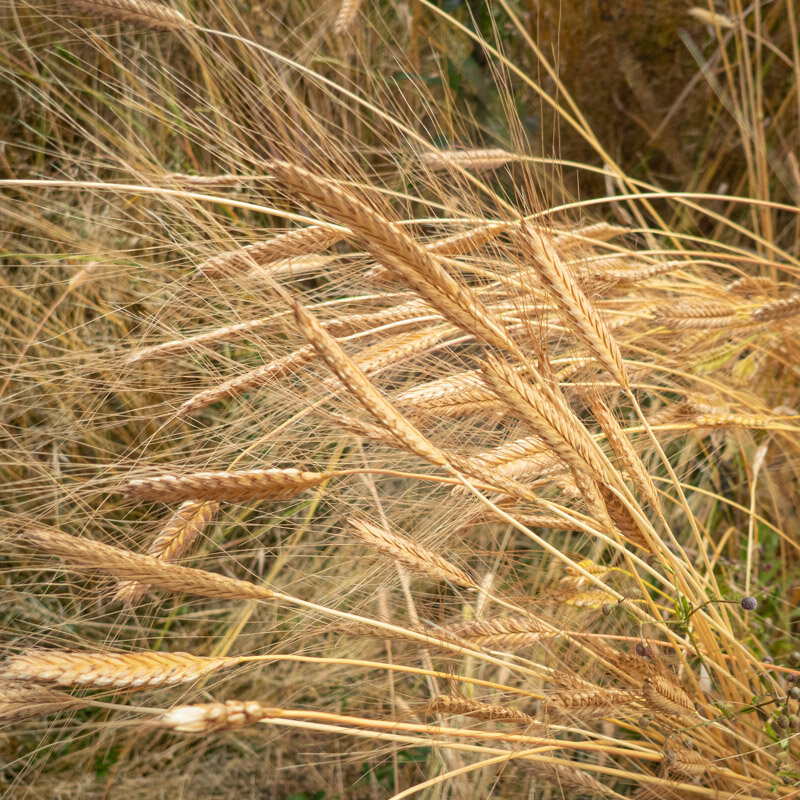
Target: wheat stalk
[410,554]
[105,669]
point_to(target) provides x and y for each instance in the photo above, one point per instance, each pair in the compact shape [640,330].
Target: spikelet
[144,13]
[589,704]
[410,554]
[211,717]
[666,697]
[450,704]
[472,159]
[86,555]
[502,633]
[236,486]
[301,242]
[20,701]
[104,669]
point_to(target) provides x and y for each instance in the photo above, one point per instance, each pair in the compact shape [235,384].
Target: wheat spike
[410,554]
[576,308]
[732,421]
[393,247]
[685,763]
[211,717]
[591,704]
[174,541]
[666,697]
[623,449]
[450,704]
[144,13]
[459,244]
[104,669]
[359,386]
[301,242]
[568,776]
[86,555]
[778,309]
[234,486]
[475,159]
[346,17]
[502,633]
[20,701]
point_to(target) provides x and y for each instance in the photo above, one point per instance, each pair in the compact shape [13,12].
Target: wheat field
[400,400]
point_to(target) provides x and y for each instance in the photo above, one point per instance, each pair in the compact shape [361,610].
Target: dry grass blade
[410,554]
[235,486]
[174,541]
[20,701]
[105,669]
[591,704]
[301,242]
[450,704]
[94,557]
[144,13]
[576,308]
[211,717]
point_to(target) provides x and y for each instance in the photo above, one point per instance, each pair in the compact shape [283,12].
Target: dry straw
[143,13]
[234,486]
[104,669]
[410,554]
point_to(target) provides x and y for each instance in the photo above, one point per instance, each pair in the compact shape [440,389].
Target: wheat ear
[174,540]
[392,246]
[86,555]
[346,17]
[410,554]
[576,308]
[589,704]
[301,242]
[103,669]
[211,717]
[234,486]
[144,13]
[502,633]
[666,697]
[475,159]
[450,704]
[778,309]
[20,701]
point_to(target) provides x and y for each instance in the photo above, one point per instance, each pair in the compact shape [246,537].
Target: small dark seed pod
[782,722]
[794,658]
[791,678]
[794,692]
[794,722]
[749,603]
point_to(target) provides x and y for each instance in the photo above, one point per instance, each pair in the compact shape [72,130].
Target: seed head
[749,603]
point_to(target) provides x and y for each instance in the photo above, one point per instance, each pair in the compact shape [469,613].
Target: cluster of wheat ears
[359,411]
